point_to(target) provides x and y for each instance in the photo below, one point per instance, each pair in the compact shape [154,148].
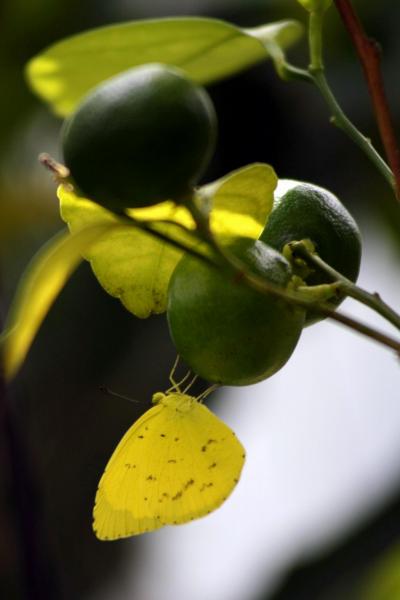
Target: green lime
[305,211]
[141,137]
[225,331]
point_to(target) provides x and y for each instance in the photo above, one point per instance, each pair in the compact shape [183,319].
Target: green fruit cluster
[146,136]
[139,138]
[231,334]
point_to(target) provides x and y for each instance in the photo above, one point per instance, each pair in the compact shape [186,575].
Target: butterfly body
[177,462]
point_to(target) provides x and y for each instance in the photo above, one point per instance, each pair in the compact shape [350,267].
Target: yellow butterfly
[177,462]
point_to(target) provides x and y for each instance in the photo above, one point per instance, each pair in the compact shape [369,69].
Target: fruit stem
[242,275]
[372,300]
[264,287]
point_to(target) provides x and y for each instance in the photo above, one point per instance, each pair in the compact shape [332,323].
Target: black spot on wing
[207,444]
[206,486]
[184,488]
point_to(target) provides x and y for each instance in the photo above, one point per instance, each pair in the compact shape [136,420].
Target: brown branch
[369,54]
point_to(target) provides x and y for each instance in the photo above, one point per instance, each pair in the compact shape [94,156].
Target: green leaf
[40,285]
[206,49]
[135,266]
[242,200]
[130,264]
[283,34]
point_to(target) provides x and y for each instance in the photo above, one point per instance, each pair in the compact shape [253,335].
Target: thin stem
[316,75]
[373,301]
[343,122]
[369,55]
[370,332]
[315,40]
[316,70]
[324,309]
[290,72]
[286,70]
[149,228]
[241,274]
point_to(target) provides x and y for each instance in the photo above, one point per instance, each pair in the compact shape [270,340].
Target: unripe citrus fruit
[141,137]
[306,211]
[225,331]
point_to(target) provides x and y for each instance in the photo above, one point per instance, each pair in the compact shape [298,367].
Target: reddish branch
[370,57]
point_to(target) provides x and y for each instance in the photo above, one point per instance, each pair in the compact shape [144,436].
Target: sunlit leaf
[242,201]
[130,264]
[282,33]
[40,285]
[207,49]
[135,266]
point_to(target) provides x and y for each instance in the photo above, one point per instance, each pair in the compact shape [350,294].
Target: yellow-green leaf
[41,283]
[130,264]
[241,201]
[207,49]
[282,33]
[135,266]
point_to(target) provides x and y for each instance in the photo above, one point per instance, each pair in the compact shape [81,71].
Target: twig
[340,119]
[243,275]
[373,301]
[148,227]
[369,55]
[240,269]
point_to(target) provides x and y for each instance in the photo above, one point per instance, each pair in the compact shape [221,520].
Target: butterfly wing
[172,466]
[202,464]
[119,509]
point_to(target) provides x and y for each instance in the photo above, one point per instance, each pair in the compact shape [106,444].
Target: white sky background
[323,446]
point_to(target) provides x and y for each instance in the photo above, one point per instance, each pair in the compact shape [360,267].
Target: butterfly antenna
[106,390]
[172,374]
[207,392]
[177,385]
[191,382]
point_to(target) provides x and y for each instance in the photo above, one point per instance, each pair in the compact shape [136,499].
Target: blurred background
[317,512]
